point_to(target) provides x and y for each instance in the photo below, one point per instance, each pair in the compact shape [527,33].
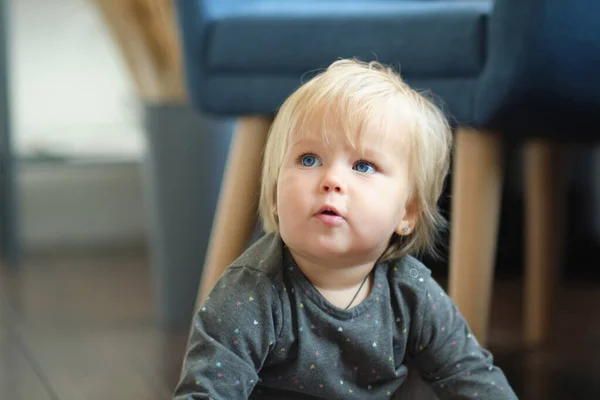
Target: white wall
[71,92]
[72,98]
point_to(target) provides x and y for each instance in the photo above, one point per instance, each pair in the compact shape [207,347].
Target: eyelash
[301,156]
[374,165]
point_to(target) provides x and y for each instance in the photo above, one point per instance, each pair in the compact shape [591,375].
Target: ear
[408,223]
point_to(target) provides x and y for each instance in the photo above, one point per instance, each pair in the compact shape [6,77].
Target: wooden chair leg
[476,195]
[236,214]
[544,212]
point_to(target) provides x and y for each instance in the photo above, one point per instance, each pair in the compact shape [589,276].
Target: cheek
[283,189]
[289,198]
[383,205]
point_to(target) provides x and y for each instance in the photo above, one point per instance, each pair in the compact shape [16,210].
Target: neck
[333,277]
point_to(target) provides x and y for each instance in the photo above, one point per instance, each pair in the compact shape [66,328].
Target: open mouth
[329,212]
[330,216]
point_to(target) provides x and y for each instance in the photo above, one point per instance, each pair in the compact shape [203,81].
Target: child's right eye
[309,160]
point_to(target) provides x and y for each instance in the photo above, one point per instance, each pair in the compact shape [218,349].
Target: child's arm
[448,355]
[231,336]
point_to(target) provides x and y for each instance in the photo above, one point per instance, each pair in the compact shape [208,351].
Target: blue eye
[308,160]
[364,167]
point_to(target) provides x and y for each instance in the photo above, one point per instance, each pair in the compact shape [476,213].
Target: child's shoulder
[263,257]
[409,272]
[412,282]
[255,275]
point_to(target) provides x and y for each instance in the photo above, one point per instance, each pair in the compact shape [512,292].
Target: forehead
[385,128]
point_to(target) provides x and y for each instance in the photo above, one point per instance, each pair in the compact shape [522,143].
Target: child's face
[336,203]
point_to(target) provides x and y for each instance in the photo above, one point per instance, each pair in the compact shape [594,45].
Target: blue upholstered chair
[244,57]
[541,87]
[508,69]
[517,70]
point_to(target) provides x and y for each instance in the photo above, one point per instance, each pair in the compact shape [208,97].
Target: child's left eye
[364,167]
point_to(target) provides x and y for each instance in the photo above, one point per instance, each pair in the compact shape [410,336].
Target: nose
[332,181]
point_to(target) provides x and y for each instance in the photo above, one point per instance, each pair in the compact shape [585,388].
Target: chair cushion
[426,38]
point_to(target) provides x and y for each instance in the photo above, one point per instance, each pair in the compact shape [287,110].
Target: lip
[328,219]
[327,207]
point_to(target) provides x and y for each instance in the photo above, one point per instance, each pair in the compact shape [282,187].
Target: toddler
[330,303]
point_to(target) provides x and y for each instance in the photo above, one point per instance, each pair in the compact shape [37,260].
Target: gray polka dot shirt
[264,332]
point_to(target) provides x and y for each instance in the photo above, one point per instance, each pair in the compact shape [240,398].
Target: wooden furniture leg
[545,182]
[476,195]
[236,214]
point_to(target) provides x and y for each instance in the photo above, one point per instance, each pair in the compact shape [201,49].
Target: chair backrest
[543,65]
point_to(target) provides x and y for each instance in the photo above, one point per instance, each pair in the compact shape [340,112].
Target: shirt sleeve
[230,338]
[447,353]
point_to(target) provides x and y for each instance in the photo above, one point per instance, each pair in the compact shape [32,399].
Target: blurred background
[87,305]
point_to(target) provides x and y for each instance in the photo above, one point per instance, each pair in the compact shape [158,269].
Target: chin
[317,246]
[328,248]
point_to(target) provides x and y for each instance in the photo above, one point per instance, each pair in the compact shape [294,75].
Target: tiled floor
[82,327]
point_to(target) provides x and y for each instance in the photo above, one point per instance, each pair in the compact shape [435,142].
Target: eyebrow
[371,153]
[306,141]
[365,151]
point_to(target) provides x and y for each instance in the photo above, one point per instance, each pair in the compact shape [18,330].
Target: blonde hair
[352,95]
